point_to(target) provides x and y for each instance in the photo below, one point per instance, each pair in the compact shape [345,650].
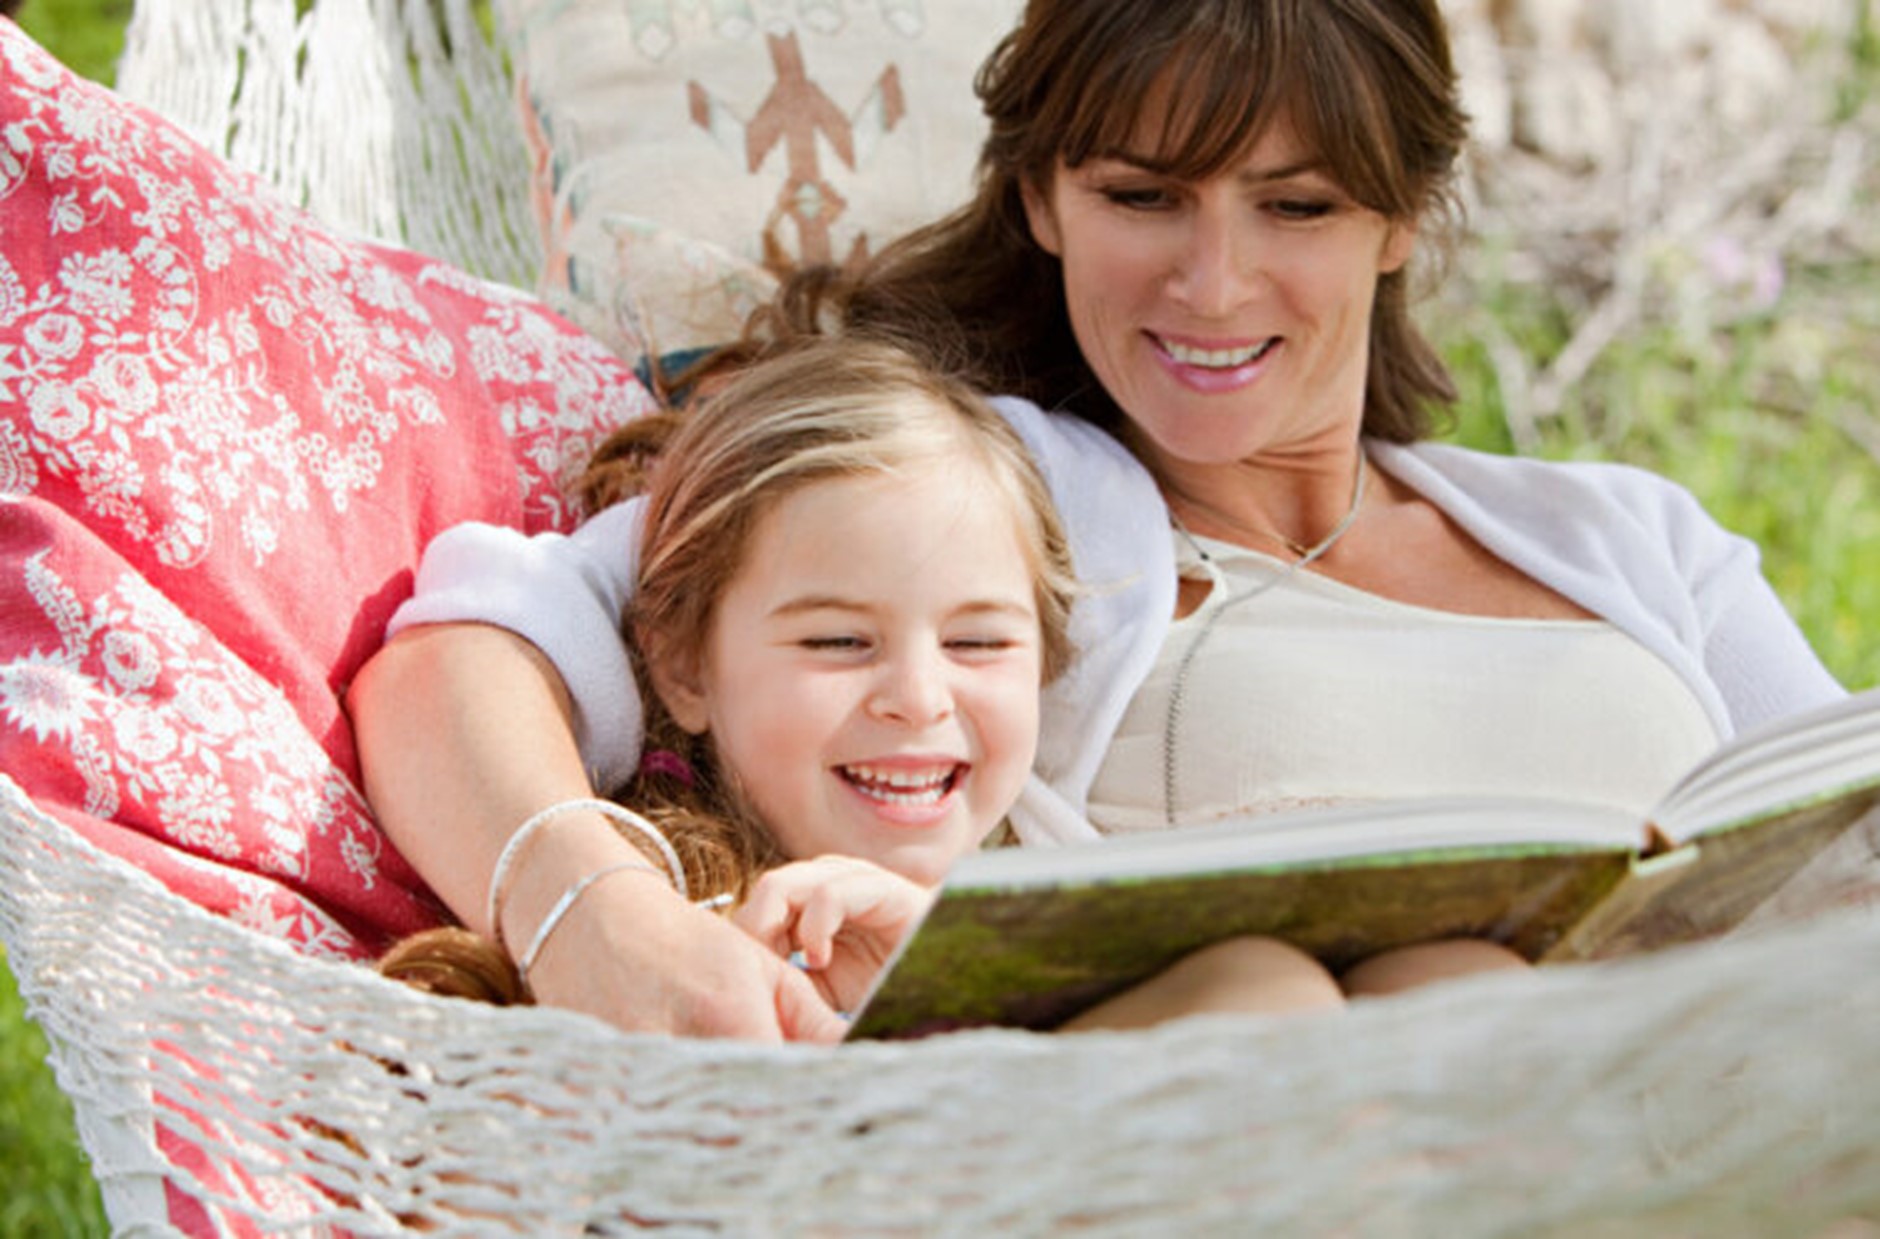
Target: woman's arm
[464,733]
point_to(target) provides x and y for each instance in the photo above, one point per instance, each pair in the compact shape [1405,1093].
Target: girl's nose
[912,690]
[1218,266]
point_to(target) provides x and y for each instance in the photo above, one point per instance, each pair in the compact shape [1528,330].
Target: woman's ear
[682,691]
[1399,243]
[1041,216]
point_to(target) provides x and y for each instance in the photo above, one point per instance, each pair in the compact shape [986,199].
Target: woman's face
[1227,317]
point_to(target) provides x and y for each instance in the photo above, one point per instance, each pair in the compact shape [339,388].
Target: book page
[1789,764]
[1328,834]
[1713,884]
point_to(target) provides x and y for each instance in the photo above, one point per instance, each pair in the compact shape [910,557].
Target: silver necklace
[1306,555]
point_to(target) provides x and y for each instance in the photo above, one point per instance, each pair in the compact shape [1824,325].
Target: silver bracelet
[566,902]
[506,859]
[620,815]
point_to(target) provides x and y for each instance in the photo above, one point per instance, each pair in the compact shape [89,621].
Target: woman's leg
[1254,976]
[1408,967]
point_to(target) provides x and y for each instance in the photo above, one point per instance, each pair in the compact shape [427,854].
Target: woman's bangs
[1190,112]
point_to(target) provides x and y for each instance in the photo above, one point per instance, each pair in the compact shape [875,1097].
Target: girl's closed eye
[981,643]
[986,641]
[835,643]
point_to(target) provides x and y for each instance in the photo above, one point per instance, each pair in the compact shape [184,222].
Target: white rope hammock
[1720,1090]
[390,118]
[1727,1089]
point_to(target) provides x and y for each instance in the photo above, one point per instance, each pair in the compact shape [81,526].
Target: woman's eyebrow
[1285,172]
[1302,166]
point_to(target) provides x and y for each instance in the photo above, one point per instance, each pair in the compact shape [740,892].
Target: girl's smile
[872,673]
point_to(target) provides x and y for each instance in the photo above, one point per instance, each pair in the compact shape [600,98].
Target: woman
[1192,232]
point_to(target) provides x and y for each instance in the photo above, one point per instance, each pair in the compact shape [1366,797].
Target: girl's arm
[844,915]
[464,733]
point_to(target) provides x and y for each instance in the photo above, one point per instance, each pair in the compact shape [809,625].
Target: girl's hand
[844,914]
[637,955]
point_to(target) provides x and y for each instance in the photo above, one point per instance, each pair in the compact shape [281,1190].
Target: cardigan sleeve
[564,594]
[1755,652]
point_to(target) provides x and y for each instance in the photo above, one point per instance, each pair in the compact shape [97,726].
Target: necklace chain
[1306,555]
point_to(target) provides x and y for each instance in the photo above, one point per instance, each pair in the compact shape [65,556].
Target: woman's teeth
[1217,358]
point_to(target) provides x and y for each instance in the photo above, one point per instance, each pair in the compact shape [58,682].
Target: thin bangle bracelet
[501,874]
[567,902]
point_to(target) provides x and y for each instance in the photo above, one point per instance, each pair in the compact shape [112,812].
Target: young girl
[851,587]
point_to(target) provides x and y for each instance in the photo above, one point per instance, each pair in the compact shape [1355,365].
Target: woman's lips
[1214,366]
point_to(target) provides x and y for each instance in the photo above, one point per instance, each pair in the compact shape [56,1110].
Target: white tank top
[1317,693]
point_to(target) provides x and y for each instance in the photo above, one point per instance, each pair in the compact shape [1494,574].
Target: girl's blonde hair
[802,410]
[818,409]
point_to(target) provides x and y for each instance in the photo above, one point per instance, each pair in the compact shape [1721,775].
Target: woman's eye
[1139,198]
[1301,208]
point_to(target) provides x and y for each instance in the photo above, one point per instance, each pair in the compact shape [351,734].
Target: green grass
[1773,422]
[87,35]
[46,1188]
[45,1183]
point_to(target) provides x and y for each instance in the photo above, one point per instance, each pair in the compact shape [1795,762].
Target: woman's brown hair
[1368,84]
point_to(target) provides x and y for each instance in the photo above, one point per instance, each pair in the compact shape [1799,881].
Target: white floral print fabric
[226,435]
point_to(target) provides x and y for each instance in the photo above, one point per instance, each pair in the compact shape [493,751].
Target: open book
[1031,936]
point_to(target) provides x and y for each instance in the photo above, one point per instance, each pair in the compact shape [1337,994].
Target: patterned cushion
[775,130]
[225,436]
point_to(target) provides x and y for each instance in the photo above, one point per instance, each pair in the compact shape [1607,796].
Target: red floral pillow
[225,436]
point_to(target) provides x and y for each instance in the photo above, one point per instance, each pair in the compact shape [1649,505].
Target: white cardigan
[1627,545]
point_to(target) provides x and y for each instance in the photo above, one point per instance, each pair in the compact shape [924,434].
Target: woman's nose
[912,689]
[1219,264]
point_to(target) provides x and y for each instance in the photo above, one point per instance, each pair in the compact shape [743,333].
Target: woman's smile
[1213,366]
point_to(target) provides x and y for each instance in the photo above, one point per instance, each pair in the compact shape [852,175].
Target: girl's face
[1226,317]
[872,674]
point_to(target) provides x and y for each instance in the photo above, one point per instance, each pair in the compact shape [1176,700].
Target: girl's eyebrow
[816,602]
[832,602]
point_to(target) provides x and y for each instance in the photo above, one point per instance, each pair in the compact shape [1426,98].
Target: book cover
[1029,937]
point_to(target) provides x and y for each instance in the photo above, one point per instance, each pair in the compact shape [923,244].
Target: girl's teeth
[900,787]
[1215,358]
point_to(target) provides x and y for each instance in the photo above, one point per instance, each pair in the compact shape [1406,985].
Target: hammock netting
[1730,1088]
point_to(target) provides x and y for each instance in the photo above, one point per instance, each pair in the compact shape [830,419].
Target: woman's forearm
[464,734]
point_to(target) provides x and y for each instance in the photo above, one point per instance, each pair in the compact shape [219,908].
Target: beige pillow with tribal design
[682,146]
